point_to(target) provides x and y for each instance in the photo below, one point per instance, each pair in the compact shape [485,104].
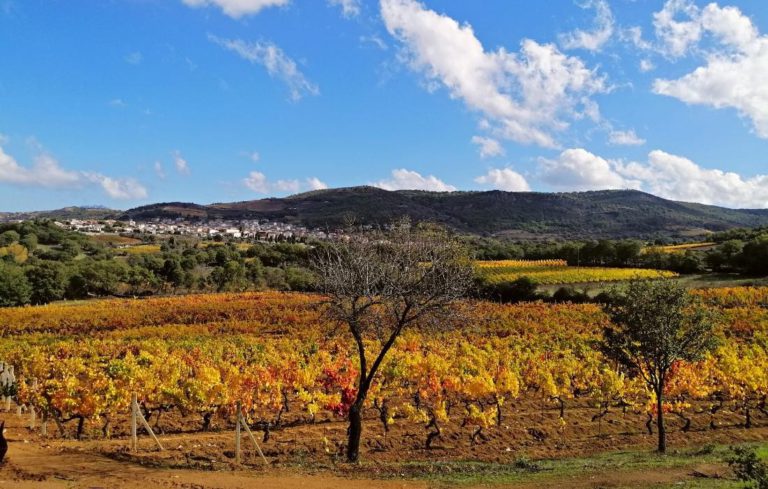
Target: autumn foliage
[200,355]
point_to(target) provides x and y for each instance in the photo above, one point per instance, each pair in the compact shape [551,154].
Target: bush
[748,467]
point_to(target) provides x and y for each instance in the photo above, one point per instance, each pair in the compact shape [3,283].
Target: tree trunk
[660,423]
[355,431]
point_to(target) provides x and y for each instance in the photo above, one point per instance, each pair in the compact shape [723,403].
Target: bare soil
[309,455]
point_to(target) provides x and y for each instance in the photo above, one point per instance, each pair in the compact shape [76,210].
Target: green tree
[29,241]
[654,325]
[14,287]
[9,237]
[48,281]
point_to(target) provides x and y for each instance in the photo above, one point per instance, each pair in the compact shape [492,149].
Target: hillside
[65,213]
[610,213]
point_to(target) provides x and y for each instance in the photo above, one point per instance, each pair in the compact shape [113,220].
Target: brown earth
[309,455]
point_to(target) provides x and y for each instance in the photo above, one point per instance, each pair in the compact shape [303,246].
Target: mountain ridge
[515,215]
[600,213]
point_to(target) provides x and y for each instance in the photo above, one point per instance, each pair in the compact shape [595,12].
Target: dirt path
[34,466]
[33,462]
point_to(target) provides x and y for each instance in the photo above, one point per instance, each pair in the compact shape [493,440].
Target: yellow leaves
[546,272]
[19,252]
[208,352]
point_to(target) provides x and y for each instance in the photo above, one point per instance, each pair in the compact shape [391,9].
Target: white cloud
[578,169]
[625,138]
[181,164]
[676,36]
[120,189]
[488,147]
[259,183]
[504,179]
[646,65]
[237,8]
[46,172]
[314,183]
[664,174]
[525,96]
[254,156]
[159,170]
[276,62]
[679,178]
[291,186]
[134,58]
[374,40]
[736,68]
[349,8]
[595,39]
[117,102]
[403,179]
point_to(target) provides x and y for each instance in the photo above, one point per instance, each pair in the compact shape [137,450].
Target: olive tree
[378,284]
[654,325]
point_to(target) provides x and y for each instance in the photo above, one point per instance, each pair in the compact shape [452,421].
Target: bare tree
[378,284]
[655,324]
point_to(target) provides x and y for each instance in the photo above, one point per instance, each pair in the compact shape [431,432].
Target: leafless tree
[378,284]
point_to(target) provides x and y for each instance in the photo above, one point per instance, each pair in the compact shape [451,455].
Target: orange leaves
[205,353]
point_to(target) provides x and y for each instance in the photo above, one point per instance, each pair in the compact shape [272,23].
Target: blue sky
[128,102]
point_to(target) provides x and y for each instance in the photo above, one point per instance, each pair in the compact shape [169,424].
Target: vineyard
[680,248]
[551,272]
[520,377]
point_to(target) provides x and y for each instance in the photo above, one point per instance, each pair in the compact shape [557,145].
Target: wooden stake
[241,423]
[237,436]
[136,413]
[253,439]
[31,417]
[134,440]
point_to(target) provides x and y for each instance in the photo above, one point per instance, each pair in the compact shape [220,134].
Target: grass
[573,470]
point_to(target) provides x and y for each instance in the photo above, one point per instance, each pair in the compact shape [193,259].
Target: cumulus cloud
[403,179]
[181,164]
[679,178]
[488,147]
[526,96]
[291,186]
[314,183]
[259,183]
[595,39]
[736,65]
[504,179]
[278,64]
[349,8]
[46,172]
[676,36]
[578,169]
[663,174]
[625,138]
[646,65]
[237,8]
[118,188]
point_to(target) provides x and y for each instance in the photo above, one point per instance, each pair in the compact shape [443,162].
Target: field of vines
[552,272]
[497,373]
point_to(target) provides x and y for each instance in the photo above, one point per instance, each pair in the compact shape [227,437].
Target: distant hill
[66,213]
[609,213]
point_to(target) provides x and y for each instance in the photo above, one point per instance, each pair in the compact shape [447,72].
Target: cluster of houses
[246,229]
